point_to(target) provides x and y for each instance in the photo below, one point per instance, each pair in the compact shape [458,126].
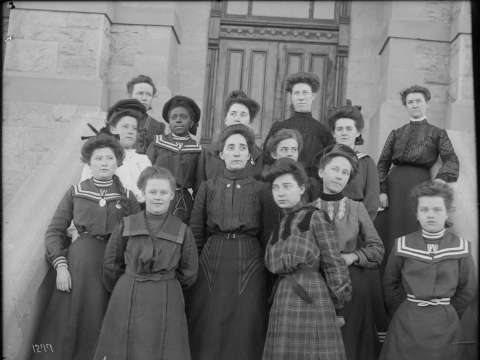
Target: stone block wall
[67,63]
[142,49]
[53,75]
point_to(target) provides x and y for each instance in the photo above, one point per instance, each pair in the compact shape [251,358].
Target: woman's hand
[383,200]
[64,281]
[349,258]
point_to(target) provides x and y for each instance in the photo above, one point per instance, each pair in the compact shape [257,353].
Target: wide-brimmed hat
[126,107]
[181,101]
[189,104]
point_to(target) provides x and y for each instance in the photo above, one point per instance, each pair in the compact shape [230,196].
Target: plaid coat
[297,329]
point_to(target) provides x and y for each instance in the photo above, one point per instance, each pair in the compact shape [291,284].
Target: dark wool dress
[365,185]
[429,281]
[211,166]
[147,130]
[315,136]
[412,149]
[305,254]
[355,233]
[72,321]
[180,156]
[148,260]
[227,317]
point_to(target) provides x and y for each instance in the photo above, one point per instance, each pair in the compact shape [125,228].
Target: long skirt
[145,320]
[361,313]
[423,333]
[400,216]
[72,321]
[228,301]
[299,330]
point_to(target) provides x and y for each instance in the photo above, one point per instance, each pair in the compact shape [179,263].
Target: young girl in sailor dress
[429,281]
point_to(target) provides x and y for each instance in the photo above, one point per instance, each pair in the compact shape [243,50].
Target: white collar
[419,119]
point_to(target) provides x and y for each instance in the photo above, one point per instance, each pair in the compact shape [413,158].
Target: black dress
[315,138]
[72,320]
[180,156]
[413,149]
[227,311]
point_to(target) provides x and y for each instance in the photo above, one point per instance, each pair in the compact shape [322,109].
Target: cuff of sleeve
[447,178]
[362,259]
[60,261]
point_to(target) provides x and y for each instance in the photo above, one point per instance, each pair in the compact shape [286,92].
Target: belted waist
[157,276]
[400,163]
[98,237]
[297,288]
[434,302]
[233,235]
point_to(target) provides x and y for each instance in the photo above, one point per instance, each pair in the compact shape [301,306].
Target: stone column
[415,49]
[145,39]
[460,122]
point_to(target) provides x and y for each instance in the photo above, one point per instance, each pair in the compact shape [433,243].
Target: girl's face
[286,191]
[235,152]
[126,129]
[180,121]
[287,148]
[416,105]
[237,114]
[158,194]
[335,175]
[345,132]
[103,163]
[432,213]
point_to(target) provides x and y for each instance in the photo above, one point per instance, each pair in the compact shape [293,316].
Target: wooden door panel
[251,67]
[315,58]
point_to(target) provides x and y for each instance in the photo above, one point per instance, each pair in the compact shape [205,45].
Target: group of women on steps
[234,252]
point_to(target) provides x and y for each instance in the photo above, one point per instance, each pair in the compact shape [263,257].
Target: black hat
[309,78]
[187,103]
[131,107]
[182,101]
[338,150]
[238,96]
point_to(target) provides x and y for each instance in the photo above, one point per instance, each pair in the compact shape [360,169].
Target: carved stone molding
[278,33]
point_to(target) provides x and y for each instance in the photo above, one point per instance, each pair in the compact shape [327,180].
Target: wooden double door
[260,67]
[256,54]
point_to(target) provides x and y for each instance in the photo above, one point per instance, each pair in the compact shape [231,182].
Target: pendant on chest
[102,202]
[432,249]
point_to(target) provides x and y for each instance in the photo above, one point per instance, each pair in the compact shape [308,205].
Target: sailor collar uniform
[183,144]
[427,247]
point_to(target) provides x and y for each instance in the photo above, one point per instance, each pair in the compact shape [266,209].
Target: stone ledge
[131,13]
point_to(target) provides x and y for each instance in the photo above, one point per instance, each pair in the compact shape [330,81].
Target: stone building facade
[66,62]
